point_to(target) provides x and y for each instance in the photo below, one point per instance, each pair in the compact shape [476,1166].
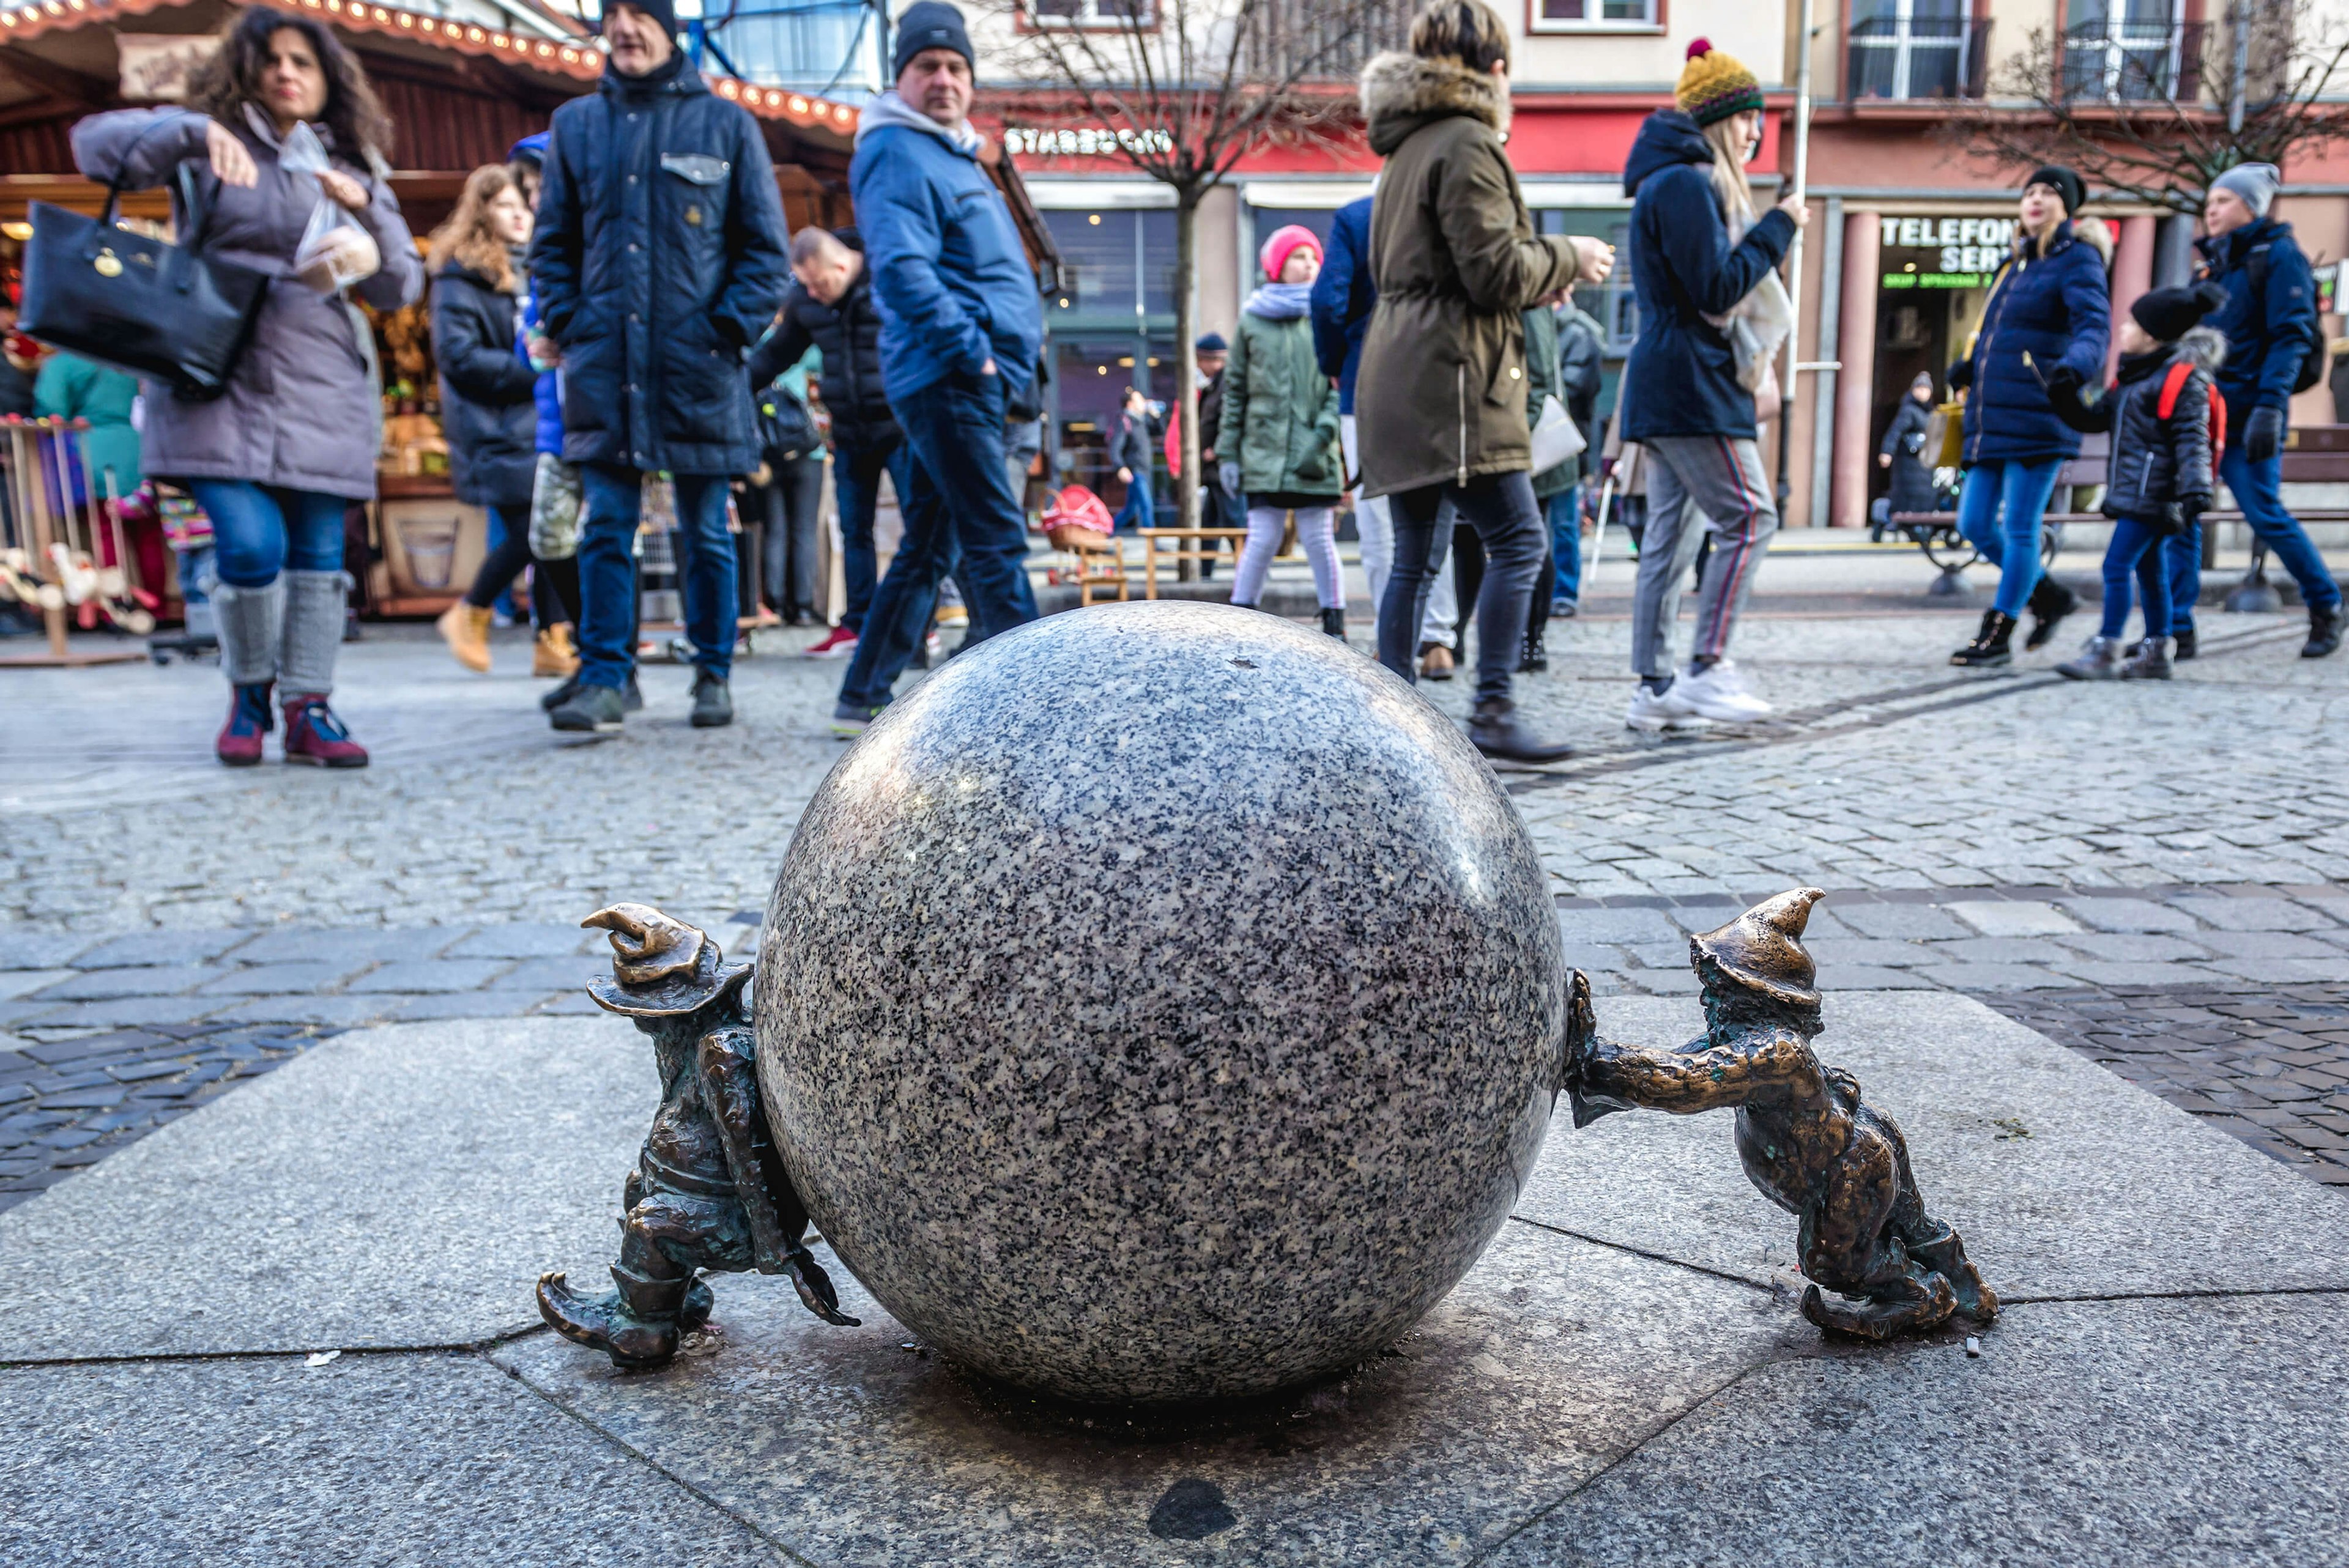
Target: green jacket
[1441,395]
[71,389]
[1280,413]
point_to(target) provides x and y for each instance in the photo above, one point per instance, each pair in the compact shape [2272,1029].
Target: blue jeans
[2258,489]
[608,573]
[1565,513]
[1140,509]
[857,482]
[1998,512]
[258,530]
[2135,551]
[961,516]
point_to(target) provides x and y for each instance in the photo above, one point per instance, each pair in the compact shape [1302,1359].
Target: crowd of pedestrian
[618,308]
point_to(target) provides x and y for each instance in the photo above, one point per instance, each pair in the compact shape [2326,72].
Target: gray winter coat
[300,408]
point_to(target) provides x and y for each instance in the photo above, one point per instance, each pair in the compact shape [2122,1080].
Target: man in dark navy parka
[657,260]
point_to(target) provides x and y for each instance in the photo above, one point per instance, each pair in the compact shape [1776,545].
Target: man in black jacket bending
[831,307]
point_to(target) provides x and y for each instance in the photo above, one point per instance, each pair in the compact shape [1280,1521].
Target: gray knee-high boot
[249,621]
[315,606]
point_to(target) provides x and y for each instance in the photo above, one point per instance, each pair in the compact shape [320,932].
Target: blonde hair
[466,237]
[1728,181]
[1468,31]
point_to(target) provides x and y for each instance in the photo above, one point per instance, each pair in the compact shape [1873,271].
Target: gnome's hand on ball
[815,1288]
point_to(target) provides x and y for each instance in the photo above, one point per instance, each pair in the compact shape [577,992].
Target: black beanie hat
[661,11]
[929,25]
[2065,184]
[2168,315]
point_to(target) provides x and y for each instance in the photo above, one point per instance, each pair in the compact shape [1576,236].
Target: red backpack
[2173,387]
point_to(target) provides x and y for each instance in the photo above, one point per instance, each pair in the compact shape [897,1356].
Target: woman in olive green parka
[1439,400]
[1279,436]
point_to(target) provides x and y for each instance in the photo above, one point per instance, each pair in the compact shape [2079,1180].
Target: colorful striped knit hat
[1713,85]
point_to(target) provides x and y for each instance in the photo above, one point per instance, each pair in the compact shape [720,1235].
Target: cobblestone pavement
[2103,848]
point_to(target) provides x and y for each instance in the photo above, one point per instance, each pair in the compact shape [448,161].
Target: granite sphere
[1160,1002]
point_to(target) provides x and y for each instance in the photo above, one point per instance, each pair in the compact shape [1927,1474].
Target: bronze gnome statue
[708,1191]
[1803,1135]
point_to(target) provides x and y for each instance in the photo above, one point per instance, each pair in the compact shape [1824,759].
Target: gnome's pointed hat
[660,967]
[1762,949]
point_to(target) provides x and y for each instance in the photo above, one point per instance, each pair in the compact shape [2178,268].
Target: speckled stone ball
[1160,1002]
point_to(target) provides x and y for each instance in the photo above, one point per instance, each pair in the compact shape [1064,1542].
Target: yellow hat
[1713,85]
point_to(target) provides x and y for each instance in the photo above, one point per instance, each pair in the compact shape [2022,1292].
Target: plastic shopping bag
[334,251]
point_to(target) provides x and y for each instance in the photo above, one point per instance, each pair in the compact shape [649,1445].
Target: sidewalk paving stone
[563,974]
[2135,947]
[2004,918]
[336,1012]
[106,985]
[2204,1432]
[444,974]
[278,979]
[368,1459]
[1976,977]
[2255,914]
[23,948]
[162,947]
[16,983]
[395,1187]
[2267,945]
[470,1005]
[353,948]
[2127,915]
[527,940]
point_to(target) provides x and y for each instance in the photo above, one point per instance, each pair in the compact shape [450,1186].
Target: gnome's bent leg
[666,1237]
[1848,1246]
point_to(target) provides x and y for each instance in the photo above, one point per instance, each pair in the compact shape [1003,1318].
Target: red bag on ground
[1077,508]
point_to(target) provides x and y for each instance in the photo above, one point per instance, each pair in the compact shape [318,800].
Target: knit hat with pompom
[1713,85]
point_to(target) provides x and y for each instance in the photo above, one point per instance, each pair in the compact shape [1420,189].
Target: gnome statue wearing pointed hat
[1803,1135]
[708,1191]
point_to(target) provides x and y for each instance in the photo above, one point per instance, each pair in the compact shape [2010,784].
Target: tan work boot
[553,655]
[467,633]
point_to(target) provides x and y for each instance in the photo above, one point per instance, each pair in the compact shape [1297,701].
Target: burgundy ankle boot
[313,734]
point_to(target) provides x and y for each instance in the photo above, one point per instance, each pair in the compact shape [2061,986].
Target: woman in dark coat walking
[488,412]
[1903,454]
[2043,331]
[276,459]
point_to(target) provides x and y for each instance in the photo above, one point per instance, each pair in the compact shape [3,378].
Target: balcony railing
[2130,62]
[1924,57]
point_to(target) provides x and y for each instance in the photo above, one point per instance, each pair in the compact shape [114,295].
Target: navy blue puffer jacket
[2268,321]
[1681,378]
[2056,309]
[657,260]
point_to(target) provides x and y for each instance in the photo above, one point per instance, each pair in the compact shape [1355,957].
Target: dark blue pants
[608,573]
[2258,489]
[1502,510]
[960,518]
[1140,509]
[1564,512]
[2134,552]
[857,482]
[258,530]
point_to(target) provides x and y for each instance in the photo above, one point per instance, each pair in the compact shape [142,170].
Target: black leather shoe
[2324,631]
[1532,657]
[2182,646]
[1992,645]
[592,710]
[560,695]
[2050,603]
[1494,731]
[713,705]
[631,699]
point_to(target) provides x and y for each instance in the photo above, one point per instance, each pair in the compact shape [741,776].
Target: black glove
[2190,509]
[2065,380]
[1961,374]
[2263,434]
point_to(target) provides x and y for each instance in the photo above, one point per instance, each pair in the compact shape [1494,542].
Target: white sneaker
[1718,692]
[1651,713]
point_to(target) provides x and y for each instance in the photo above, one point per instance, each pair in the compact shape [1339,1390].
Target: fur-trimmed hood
[1403,92]
[2205,347]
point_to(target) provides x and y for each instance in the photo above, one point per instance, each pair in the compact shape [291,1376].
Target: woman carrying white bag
[1712,314]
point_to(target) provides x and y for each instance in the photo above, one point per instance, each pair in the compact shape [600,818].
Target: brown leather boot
[552,656]
[467,630]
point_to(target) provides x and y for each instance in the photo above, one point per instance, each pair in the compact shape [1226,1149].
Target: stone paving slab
[397,1187]
[858,1446]
[2180,1432]
[2064,1179]
[367,1460]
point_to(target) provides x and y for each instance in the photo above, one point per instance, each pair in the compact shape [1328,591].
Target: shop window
[1115,264]
[1089,375]
[1612,302]
[1915,49]
[1091,12]
[1595,16]
[2130,49]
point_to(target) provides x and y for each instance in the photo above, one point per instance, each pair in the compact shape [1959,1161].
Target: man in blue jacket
[1343,296]
[961,326]
[657,260]
[2270,323]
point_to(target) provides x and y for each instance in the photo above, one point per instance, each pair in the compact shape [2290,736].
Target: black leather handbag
[165,311]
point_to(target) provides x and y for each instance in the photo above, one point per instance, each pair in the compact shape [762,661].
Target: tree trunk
[1186,356]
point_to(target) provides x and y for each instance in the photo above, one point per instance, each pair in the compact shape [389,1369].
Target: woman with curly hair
[277,458]
[489,411]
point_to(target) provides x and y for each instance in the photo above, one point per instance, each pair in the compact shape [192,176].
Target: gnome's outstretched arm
[1698,1077]
[733,1087]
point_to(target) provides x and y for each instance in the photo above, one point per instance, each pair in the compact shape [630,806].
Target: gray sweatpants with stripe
[1698,482]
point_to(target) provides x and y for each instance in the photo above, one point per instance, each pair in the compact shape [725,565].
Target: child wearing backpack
[2169,426]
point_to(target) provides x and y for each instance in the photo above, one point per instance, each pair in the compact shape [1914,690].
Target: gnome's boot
[1992,646]
[638,1325]
[1947,1257]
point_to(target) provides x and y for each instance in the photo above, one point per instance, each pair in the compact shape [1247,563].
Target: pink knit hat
[1276,252]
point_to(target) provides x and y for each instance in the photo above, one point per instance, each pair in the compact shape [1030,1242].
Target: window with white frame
[1910,48]
[1592,15]
[1092,13]
[2128,49]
